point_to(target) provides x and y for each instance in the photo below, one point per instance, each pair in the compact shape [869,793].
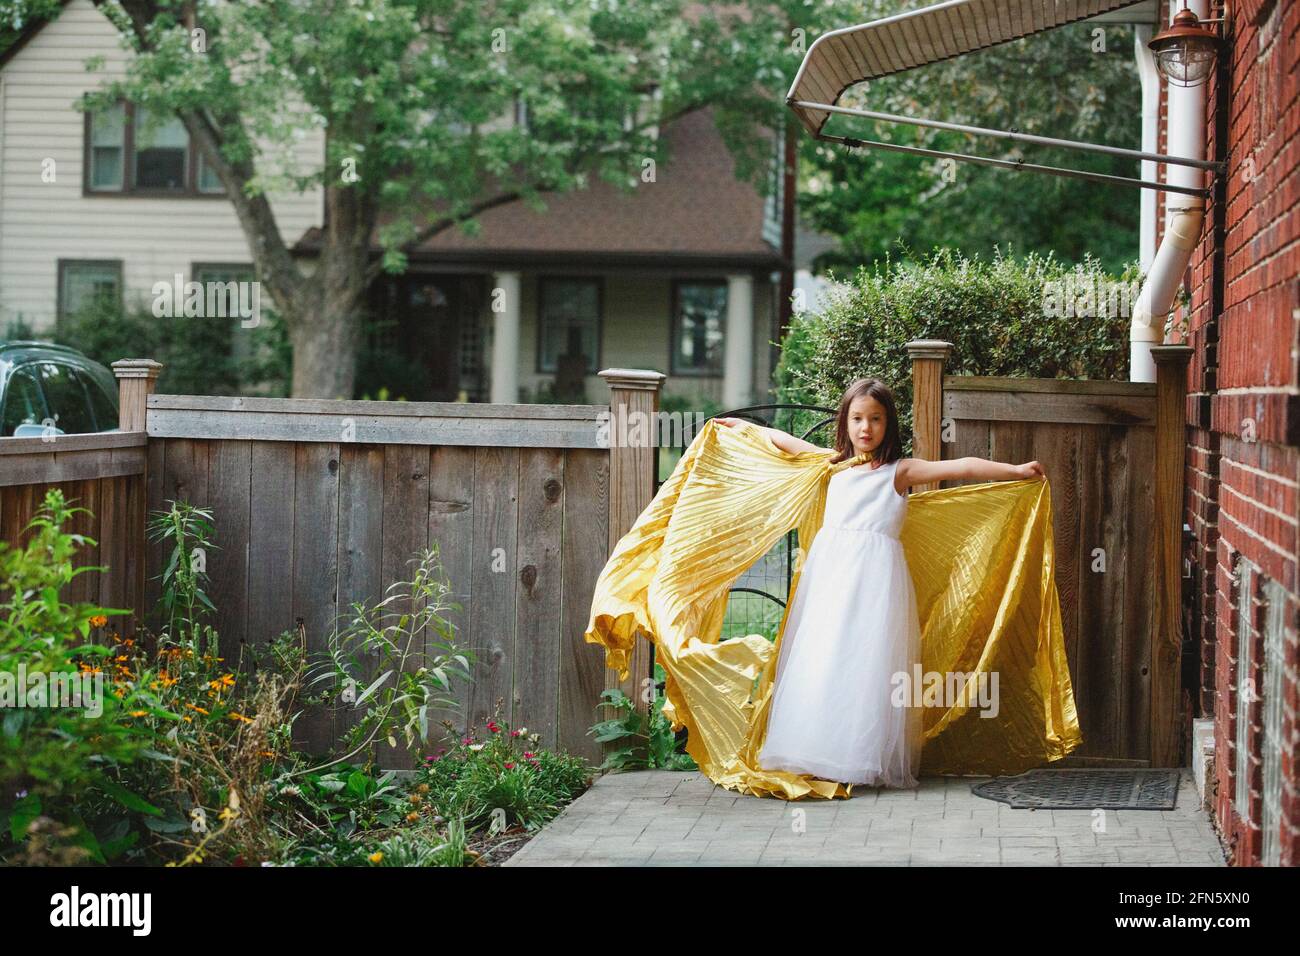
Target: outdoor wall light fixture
[1186,50]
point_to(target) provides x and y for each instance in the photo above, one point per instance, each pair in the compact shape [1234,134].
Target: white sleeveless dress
[852,626]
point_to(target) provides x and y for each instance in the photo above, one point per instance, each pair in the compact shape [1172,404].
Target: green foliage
[996,313]
[188,532]
[504,780]
[1072,83]
[648,740]
[406,640]
[193,761]
[54,759]
[198,354]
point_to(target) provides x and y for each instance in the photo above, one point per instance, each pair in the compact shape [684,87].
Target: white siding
[41,223]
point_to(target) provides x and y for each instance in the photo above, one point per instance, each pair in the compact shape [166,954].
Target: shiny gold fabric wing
[981,563]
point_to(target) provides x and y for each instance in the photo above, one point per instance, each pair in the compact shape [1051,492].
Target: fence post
[928,359]
[632,393]
[1171,450]
[136,379]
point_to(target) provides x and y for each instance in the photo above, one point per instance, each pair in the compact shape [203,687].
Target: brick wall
[1243,411]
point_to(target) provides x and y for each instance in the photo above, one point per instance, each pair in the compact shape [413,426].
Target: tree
[404,92]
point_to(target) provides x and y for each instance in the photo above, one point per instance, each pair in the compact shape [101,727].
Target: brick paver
[666,818]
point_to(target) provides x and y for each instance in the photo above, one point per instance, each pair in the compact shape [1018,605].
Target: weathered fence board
[1096,442]
[102,472]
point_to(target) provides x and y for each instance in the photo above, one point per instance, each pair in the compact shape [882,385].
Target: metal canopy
[843,58]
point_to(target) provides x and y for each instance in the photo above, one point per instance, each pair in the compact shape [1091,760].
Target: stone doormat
[1084,789]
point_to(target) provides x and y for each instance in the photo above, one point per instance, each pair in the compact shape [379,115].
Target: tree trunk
[325,347]
[326,329]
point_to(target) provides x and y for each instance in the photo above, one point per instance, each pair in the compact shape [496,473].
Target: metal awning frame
[852,142]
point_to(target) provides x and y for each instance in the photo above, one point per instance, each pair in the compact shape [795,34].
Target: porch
[541,334]
[667,818]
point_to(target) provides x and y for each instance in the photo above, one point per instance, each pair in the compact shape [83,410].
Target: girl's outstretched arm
[783,440]
[918,471]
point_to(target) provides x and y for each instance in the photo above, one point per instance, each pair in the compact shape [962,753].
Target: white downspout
[1184,217]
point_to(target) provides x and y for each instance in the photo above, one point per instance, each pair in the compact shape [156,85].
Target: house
[682,275]
[1229,236]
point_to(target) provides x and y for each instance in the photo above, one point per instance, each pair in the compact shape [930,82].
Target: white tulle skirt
[835,711]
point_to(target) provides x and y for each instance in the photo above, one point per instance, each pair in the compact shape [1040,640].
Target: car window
[102,406]
[22,402]
[65,398]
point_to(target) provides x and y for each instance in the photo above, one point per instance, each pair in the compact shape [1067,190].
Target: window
[132,150]
[568,321]
[94,284]
[1245,685]
[699,318]
[108,149]
[66,398]
[1274,691]
[23,404]
[228,288]
[161,145]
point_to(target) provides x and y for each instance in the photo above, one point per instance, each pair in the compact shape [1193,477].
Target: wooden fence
[102,472]
[322,503]
[1114,455]
[318,504]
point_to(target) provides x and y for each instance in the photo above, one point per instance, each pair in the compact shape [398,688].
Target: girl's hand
[1031,469]
[729,422]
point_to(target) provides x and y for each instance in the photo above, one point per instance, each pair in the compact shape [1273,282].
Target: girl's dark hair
[891,446]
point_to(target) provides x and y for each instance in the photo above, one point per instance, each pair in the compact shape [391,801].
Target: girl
[842,708]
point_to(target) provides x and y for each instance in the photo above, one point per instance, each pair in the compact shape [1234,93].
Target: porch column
[504,303]
[738,343]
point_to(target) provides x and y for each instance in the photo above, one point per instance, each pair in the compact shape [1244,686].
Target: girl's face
[866,423]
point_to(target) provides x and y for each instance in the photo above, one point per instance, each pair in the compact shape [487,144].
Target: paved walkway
[659,817]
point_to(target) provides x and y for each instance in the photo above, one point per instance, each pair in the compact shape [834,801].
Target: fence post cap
[1172,354]
[632,377]
[137,368]
[929,348]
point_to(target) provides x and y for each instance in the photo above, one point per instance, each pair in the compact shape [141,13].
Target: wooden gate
[1113,453]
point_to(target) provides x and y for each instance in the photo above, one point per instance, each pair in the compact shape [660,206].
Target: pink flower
[528,754]
[510,766]
[465,740]
[493,727]
[514,733]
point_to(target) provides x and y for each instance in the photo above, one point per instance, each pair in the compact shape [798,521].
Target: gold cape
[981,559]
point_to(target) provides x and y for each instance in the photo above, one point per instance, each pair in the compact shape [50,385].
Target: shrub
[502,780]
[997,314]
[649,739]
[55,759]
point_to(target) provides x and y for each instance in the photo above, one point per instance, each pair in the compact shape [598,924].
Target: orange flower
[196,707]
[99,620]
[234,716]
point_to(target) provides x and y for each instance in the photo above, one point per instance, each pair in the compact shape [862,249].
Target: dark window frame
[674,328]
[129,189]
[599,282]
[59,303]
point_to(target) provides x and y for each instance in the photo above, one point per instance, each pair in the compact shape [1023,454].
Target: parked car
[53,389]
